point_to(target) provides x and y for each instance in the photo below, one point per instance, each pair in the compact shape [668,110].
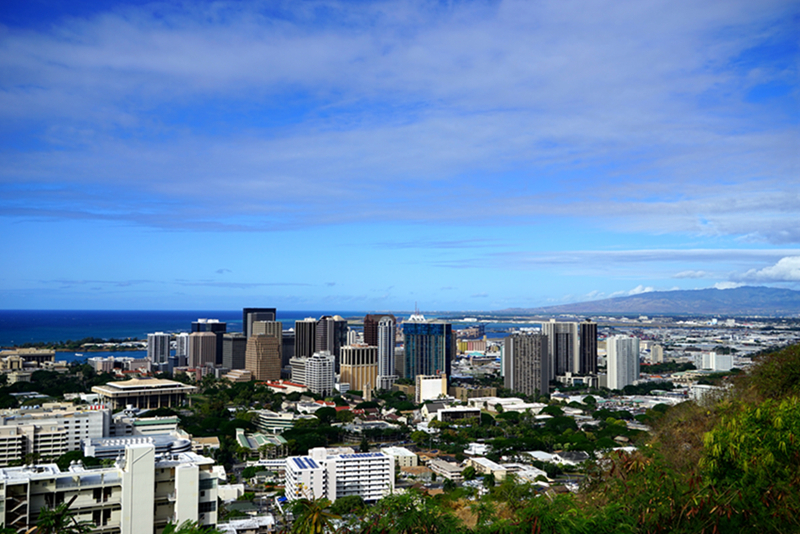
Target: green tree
[189,527]
[312,516]
[60,520]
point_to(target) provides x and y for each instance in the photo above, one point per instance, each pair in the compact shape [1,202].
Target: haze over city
[348,155]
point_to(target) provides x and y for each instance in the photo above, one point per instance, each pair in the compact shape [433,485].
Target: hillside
[738,301]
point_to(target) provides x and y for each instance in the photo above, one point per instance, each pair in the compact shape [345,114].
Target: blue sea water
[32,326]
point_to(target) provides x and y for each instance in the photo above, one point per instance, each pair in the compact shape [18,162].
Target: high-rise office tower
[287,347]
[588,348]
[234,346]
[320,374]
[526,363]
[305,337]
[371,327]
[218,328]
[430,347]
[623,361]
[562,339]
[158,347]
[359,367]
[331,335]
[263,356]
[202,349]
[250,315]
[386,334]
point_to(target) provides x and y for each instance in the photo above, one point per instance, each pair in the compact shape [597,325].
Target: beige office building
[359,367]
[202,349]
[264,350]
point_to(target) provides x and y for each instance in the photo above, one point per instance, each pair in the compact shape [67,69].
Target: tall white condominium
[526,363]
[387,331]
[623,361]
[562,345]
[158,347]
[320,373]
[182,344]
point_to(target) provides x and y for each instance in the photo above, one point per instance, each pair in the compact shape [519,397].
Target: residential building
[587,361]
[430,347]
[447,470]
[158,347]
[322,475]
[320,373]
[359,367]
[331,336]
[527,364]
[656,354]
[251,315]
[623,361]
[485,466]
[299,370]
[386,341]
[402,456]
[562,347]
[144,393]
[182,345]
[139,494]
[50,430]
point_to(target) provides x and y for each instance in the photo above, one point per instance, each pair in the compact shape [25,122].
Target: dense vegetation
[727,465]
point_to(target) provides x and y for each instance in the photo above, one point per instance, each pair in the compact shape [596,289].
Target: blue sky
[369,155]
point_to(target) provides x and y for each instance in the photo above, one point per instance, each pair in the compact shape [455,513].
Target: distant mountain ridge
[747,300]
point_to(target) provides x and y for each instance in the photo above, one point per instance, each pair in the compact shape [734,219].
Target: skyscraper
[250,315]
[305,337]
[359,367]
[371,322]
[526,363]
[562,339]
[218,328]
[386,330]
[263,355]
[234,347]
[430,347]
[331,335]
[588,348]
[623,361]
[202,349]
[158,347]
[320,374]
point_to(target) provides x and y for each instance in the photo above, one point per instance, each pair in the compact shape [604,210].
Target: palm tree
[60,520]
[312,517]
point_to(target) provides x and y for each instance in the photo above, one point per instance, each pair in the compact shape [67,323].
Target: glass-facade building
[429,348]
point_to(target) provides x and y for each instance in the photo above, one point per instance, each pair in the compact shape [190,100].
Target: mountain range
[747,300]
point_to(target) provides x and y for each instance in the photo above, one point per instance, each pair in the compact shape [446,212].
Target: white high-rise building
[320,373]
[182,344]
[387,331]
[623,361]
[158,347]
[369,475]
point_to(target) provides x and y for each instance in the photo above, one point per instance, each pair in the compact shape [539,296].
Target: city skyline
[337,155]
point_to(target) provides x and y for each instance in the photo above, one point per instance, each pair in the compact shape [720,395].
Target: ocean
[32,326]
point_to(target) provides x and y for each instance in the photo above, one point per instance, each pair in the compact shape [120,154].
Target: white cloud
[728,285]
[638,290]
[786,270]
